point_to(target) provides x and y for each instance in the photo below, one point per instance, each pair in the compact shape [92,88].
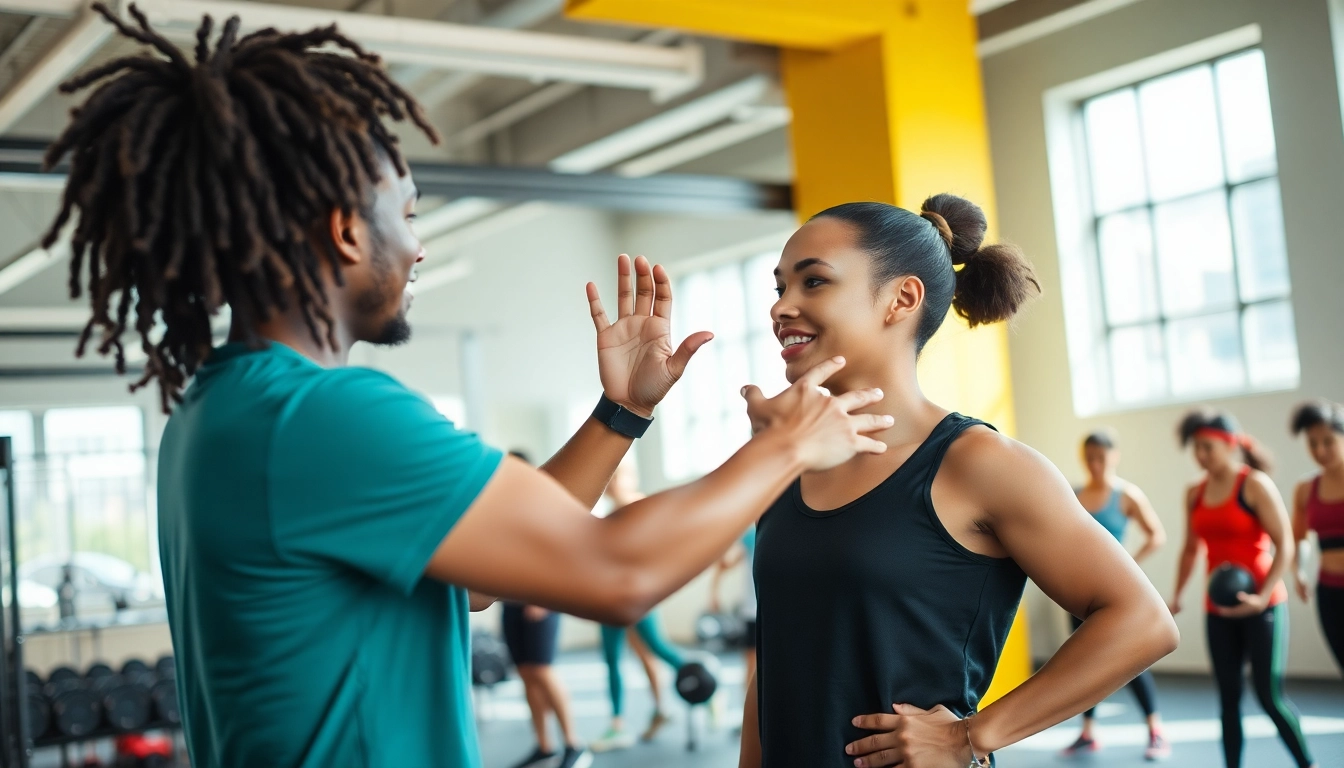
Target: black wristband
[620,420]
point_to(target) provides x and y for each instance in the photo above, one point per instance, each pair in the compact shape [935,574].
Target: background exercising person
[646,638]
[1113,502]
[1318,505]
[1235,514]
[320,525]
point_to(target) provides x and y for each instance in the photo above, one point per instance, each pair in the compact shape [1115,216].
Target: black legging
[1143,687]
[1264,638]
[1330,607]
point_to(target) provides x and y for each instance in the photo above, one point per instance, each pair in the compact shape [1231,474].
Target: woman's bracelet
[976,762]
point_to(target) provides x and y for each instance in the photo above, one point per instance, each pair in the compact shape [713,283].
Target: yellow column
[887,105]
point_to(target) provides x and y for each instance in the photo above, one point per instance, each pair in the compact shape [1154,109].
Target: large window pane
[1204,354]
[1262,256]
[702,379]
[759,278]
[1194,254]
[1271,345]
[93,430]
[1138,371]
[730,319]
[694,310]
[734,371]
[1127,274]
[1115,153]
[1248,131]
[1180,133]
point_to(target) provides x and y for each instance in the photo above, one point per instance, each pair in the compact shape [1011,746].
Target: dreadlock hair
[202,184]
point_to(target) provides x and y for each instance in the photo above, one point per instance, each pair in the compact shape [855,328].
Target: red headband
[1213,433]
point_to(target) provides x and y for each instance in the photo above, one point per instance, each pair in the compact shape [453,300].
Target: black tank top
[870,605]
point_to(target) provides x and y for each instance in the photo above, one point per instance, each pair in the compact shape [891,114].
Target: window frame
[1088,325]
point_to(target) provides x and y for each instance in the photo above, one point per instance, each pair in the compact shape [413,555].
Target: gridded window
[96,484]
[1191,293]
[704,418]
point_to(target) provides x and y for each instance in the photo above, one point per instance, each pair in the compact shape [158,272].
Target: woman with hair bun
[886,588]
[1235,514]
[1318,505]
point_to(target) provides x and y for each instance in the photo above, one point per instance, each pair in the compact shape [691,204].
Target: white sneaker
[613,740]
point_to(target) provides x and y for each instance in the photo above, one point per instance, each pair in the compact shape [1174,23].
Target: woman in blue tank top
[1113,503]
[886,585]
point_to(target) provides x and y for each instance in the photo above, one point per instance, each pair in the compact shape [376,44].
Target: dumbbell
[697,680]
[39,713]
[164,697]
[75,710]
[98,670]
[489,659]
[135,668]
[166,667]
[61,674]
[126,702]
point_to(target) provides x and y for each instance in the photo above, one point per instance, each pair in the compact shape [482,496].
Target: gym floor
[1188,702]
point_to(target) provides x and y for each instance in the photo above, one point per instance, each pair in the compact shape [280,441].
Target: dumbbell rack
[102,732]
[16,748]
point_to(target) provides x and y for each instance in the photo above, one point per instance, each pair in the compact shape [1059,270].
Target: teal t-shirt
[298,508]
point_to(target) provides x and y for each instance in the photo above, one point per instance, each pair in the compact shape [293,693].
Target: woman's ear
[904,295]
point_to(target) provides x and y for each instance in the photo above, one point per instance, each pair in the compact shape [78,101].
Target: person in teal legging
[646,637]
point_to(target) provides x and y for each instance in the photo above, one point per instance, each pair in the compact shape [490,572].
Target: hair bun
[944,231]
[965,221]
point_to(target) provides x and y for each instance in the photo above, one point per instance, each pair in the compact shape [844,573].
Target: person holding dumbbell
[1236,516]
[324,530]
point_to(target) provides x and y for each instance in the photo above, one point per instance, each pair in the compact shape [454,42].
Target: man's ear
[905,295]
[348,233]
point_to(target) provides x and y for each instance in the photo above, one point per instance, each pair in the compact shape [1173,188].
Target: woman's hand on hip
[634,354]
[912,738]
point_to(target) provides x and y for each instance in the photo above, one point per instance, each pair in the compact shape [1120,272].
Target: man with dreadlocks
[319,524]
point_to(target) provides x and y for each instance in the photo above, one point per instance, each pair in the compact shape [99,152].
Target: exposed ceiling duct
[665,72]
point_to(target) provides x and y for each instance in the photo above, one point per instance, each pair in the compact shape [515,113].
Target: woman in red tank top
[1237,516]
[1318,505]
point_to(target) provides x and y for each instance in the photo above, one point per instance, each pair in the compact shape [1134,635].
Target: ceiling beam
[21,158]
[442,45]
[83,37]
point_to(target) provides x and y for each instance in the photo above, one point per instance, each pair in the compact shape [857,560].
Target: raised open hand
[634,354]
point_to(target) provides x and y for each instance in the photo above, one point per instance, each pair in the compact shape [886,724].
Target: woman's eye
[813,282]
[779,291]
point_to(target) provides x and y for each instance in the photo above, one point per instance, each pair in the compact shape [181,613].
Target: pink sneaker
[1083,746]
[1158,748]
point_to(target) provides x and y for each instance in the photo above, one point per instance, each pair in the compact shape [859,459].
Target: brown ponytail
[996,279]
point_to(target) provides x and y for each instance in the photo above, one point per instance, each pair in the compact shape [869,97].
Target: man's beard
[396,331]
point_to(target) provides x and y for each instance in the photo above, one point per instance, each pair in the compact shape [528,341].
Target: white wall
[1306,111]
